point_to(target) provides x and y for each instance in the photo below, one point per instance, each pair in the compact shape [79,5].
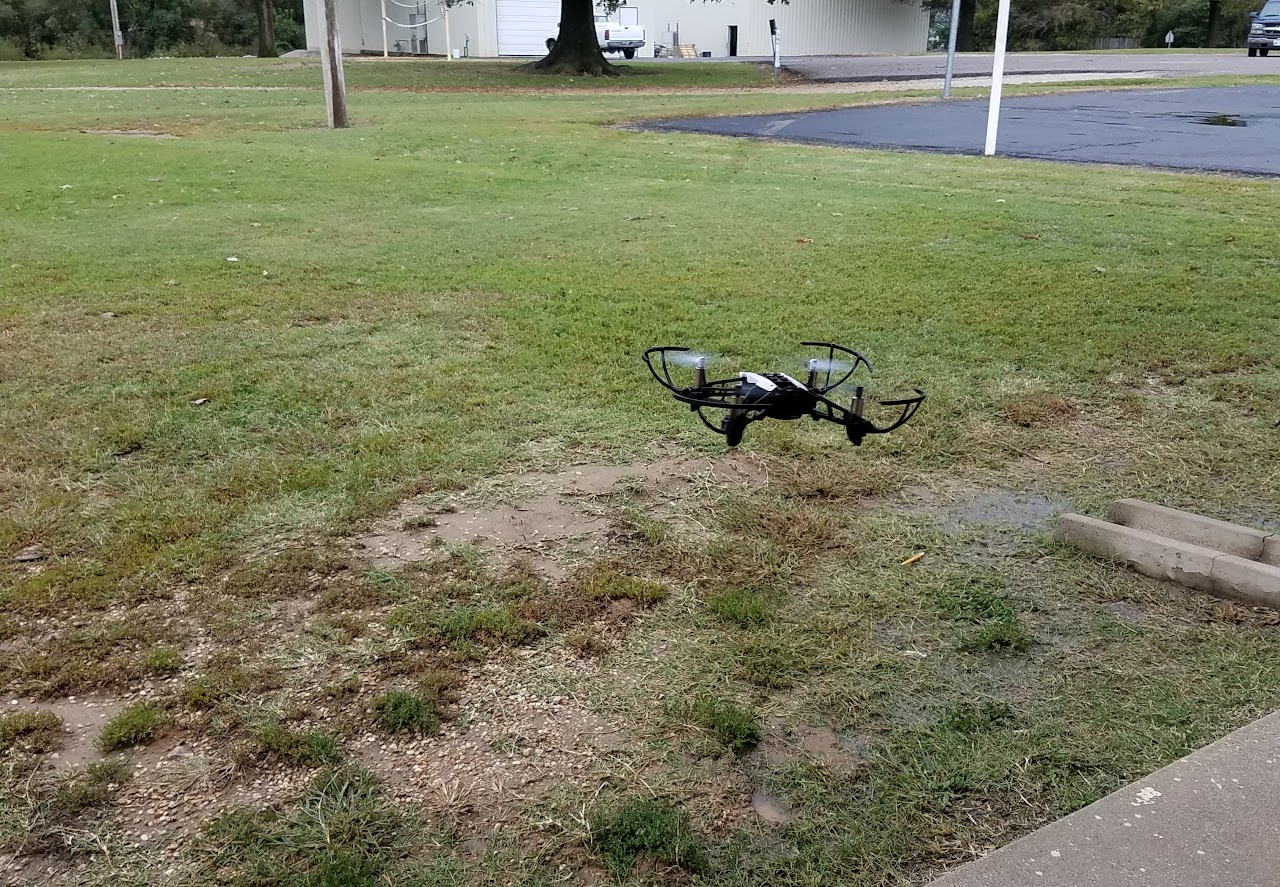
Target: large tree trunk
[576,51]
[266,28]
[1215,22]
[964,27]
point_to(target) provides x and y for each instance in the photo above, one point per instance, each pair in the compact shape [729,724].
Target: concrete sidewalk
[1211,819]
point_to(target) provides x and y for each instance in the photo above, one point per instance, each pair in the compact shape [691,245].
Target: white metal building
[488,28]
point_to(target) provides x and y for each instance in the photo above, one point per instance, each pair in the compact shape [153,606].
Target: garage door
[525,25]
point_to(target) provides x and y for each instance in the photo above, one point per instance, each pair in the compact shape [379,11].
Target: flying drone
[751,397]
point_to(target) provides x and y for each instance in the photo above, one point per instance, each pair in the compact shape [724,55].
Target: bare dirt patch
[553,521]
[130,133]
[83,719]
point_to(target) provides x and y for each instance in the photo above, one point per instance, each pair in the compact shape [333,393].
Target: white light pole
[951,48]
[116,36]
[997,77]
[385,54]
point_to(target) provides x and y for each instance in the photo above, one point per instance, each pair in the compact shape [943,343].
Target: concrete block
[1149,554]
[1271,551]
[1247,581]
[1187,527]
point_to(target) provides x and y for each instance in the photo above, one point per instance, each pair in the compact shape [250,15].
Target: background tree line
[1080,24]
[82,28]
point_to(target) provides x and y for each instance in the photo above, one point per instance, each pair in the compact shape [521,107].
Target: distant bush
[10,52]
[74,49]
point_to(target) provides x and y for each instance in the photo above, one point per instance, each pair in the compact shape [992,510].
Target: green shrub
[655,830]
[138,723]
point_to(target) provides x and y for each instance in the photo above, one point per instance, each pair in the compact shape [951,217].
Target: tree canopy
[82,28]
[1081,24]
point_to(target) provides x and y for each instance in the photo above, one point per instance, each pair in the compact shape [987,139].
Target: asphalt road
[1177,128]
[842,69]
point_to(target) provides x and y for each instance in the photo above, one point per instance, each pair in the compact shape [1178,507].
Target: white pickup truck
[614,37]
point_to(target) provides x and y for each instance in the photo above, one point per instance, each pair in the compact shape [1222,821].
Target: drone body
[752,397]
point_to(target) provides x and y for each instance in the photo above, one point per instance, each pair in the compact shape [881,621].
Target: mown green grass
[436,74]
[460,286]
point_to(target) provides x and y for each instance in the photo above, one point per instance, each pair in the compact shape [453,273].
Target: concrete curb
[1187,527]
[1211,570]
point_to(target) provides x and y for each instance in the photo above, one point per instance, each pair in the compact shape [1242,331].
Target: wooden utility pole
[116,36]
[335,85]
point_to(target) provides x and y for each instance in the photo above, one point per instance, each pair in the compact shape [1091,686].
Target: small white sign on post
[1168,40]
[777,49]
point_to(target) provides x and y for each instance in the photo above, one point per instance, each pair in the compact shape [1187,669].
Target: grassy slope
[399,284]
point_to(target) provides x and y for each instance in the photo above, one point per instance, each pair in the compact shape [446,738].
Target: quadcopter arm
[859,427]
[832,348]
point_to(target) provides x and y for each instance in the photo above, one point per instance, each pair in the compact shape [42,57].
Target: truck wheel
[629,53]
[1252,52]
[1263,52]
[551,43]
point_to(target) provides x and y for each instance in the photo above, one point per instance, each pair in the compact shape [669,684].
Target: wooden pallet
[687,51]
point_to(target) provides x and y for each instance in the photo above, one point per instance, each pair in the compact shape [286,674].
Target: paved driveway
[1225,129]
[912,67]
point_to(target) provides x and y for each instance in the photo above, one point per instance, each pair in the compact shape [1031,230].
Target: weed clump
[308,748]
[222,679]
[732,725]
[653,830]
[344,831]
[1001,636]
[163,661]
[31,731]
[403,711]
[137,724]
[769,663]
[744,607]
[605,582]
[496,624]
[91,787]
[586,642]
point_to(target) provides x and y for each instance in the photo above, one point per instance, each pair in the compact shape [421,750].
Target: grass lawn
[234,359]
[367,73]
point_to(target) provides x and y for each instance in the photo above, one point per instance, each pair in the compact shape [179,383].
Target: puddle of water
[1018,511]
[860,746]
[769,808]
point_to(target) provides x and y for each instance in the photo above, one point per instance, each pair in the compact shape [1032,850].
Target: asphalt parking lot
[844,69]
[1218,129]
